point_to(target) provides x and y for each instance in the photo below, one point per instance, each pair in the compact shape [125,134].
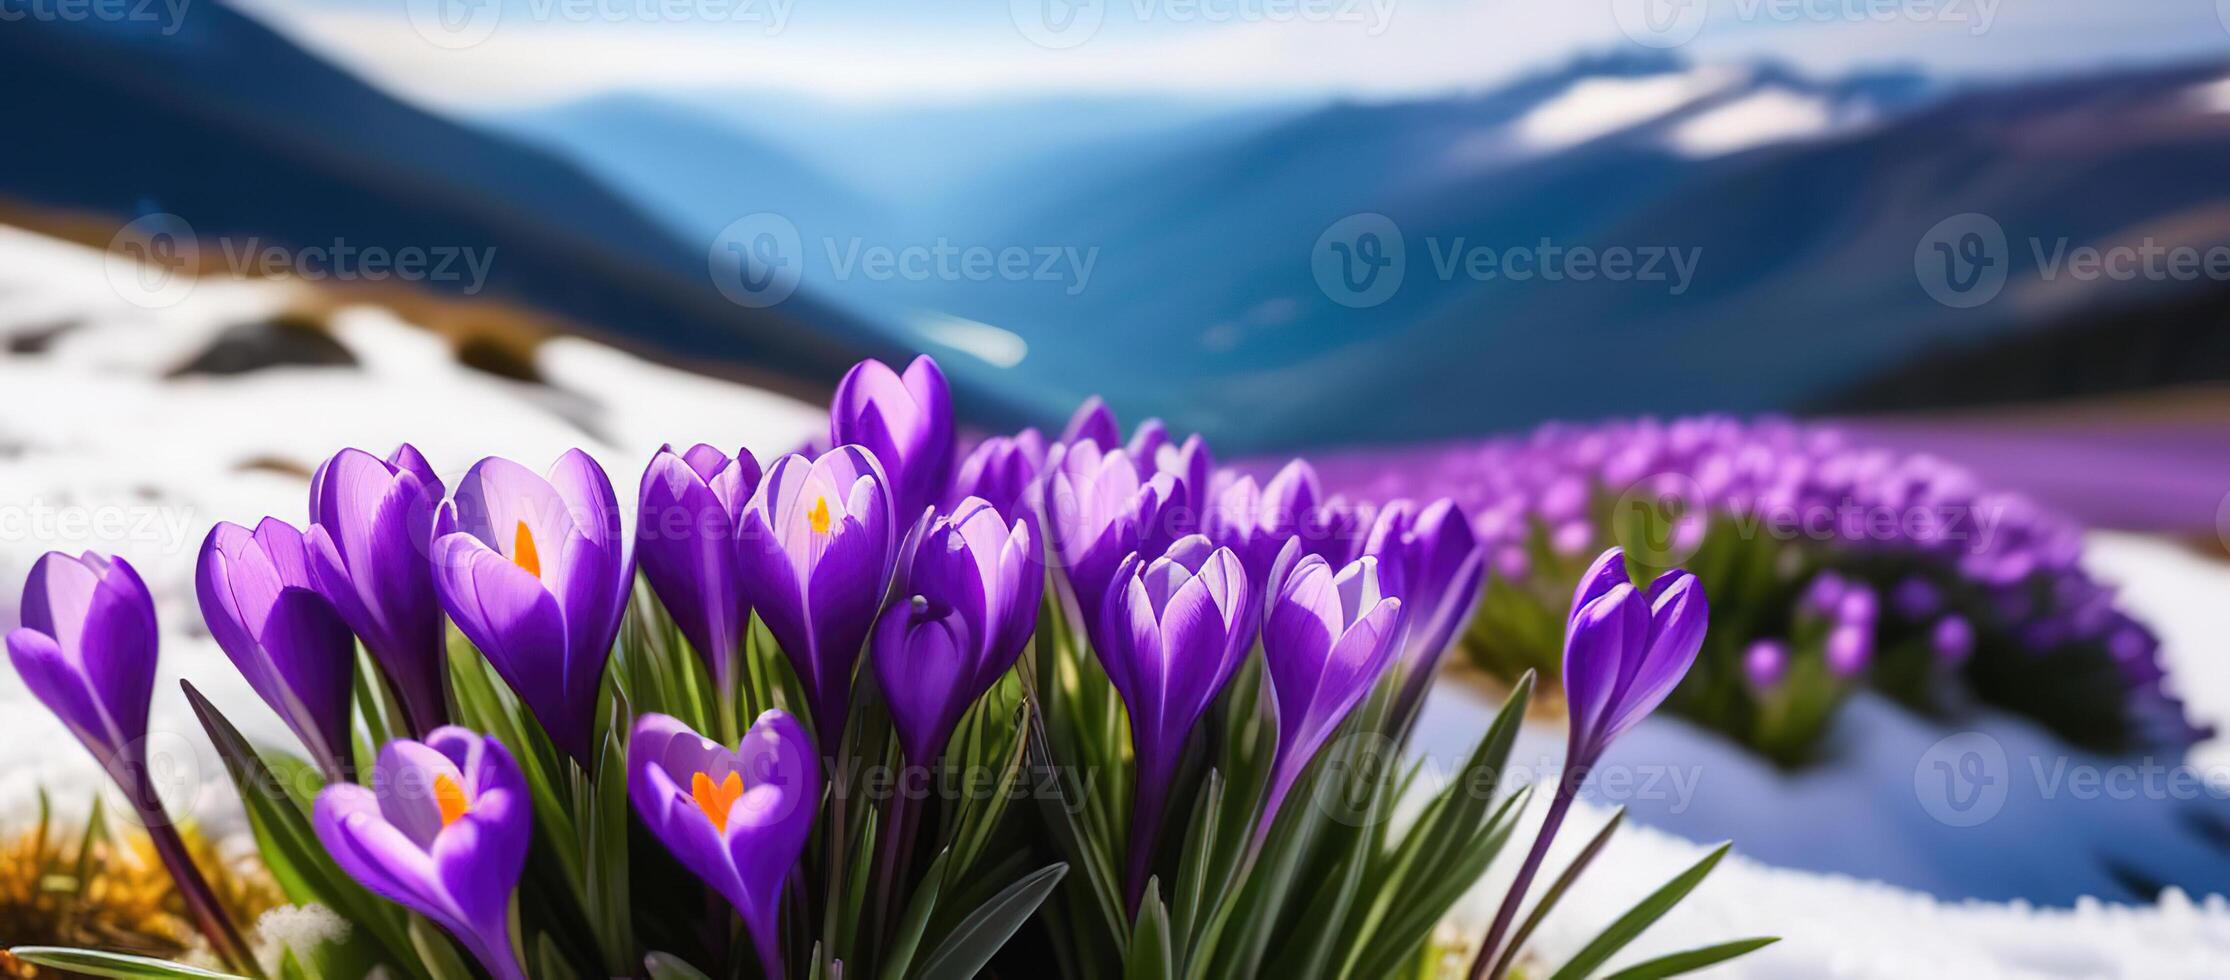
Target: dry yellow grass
[102,886]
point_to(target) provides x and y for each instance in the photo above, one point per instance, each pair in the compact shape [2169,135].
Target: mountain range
[1734,236]
[247,137]
[1799,205]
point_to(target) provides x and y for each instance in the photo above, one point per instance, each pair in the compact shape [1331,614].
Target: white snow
[1596,107]
[1770,115]
[97,450]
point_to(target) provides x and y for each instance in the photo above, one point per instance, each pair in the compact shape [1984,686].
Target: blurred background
[1986,241]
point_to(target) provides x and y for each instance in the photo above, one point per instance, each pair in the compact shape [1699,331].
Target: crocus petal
[1595,647]
[87,649]
[1093,422]
[370,534]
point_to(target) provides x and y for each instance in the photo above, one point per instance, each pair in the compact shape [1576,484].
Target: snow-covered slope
[101,449]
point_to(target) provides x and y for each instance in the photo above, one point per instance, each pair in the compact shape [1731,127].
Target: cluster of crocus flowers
[1975,580]
[899,579]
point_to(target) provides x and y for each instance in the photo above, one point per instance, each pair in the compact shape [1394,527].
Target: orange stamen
[715,800]
[523,553]
[451,798]
[819,515]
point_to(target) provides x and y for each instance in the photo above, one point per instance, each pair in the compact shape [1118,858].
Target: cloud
[546,51]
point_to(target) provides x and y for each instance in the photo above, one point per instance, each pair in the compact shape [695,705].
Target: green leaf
[1639,918]
[435,952]
[1193,894]
[1444,853]
[1064,825]
[916,921]
[1692,960]
[1149,956]
[550,962]
[978,937]
[1556,891]
[289,847]
[93,962]
[667,966]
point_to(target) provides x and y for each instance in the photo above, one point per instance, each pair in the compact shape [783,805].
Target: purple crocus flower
[737,819]
[1000,470]
[1434,562]
[1096,511]
[442,831]
[686,523]
[371,528]
[1178,626]
[818,543]
[285,638]
[1255,521]
[1850,648]
[1952,639]
[1624,651]
[1327,639]
[536,574]
[1181,474]
[86,650]
[1765,662]
[906,421]
[975,583]
[1093,422]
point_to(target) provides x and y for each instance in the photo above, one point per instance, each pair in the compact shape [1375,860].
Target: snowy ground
[99,450]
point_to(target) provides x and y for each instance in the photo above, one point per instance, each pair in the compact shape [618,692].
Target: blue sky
[490,55]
